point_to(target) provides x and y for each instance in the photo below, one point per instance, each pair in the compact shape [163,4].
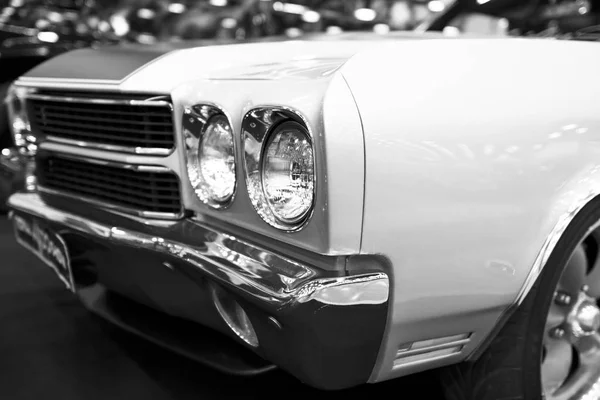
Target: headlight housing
[18,119]
[288,176]
[210,152]
[20,127]
[280,167]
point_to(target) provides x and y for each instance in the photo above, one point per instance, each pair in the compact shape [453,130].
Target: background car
[33,31]
[515,18]
[346,171]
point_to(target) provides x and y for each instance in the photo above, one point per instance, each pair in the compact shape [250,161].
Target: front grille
[126,187]
[122,122]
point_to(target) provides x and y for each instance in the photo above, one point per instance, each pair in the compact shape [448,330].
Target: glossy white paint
[344,166]
[254,61]
[469,155]
[294,74]
[469,170]
[335,225]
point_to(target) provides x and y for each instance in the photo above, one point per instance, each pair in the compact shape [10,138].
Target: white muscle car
[340,209]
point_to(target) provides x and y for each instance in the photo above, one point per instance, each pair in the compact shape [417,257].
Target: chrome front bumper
[325,327]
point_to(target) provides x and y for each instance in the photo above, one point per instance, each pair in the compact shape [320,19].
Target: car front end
[161,204]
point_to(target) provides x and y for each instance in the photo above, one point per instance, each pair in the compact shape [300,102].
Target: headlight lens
[211,162]
[288,172]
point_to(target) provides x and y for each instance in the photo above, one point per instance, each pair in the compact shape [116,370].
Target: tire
[509,368]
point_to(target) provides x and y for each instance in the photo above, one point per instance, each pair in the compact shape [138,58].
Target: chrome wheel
[570,366]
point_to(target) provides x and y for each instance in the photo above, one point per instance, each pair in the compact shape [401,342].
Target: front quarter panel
[469,171]
[326,105]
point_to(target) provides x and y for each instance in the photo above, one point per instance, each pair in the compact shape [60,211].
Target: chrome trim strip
[61,85]
[118,157]
[365,289]
[31,203]
[549,245]
[260,273]
[158,151]
[108,163]
[64,82]
[70,99]
[406,353]
[435,359]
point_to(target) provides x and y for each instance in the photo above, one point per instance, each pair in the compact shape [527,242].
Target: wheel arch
[486,169]
[577,196]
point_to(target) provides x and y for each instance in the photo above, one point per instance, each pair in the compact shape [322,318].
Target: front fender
[469,172]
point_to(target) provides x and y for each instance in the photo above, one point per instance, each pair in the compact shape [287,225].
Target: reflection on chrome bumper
[325,326]
[258,272]
[10,159]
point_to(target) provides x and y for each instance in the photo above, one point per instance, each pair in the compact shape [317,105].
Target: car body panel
[234,61]
[299,75]
[461,179]
[136,67]
[92,64]
[469,171]
[334,199]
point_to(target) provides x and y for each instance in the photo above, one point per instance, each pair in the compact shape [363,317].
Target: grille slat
[156,192]
[127,201]
[72,118]
[95,135]
[57,107]
[74,182]
[137,183]
[124,124]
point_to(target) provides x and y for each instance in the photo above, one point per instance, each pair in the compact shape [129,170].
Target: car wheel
[550,347]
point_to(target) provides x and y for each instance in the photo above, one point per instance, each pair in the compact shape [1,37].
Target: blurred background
[32,31]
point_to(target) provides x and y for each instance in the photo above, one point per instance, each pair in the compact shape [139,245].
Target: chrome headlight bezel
[19,124]
[195,122]
[258,126]
[299,131]
[25,142]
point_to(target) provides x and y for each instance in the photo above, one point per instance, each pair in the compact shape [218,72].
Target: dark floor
[51,347]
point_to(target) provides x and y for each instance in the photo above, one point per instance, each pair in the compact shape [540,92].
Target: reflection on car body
[331,208]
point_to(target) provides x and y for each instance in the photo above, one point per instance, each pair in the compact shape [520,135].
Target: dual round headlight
[211,160]
[279,165]
[288,177]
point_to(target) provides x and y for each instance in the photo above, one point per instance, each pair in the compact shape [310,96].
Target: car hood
[162,67]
